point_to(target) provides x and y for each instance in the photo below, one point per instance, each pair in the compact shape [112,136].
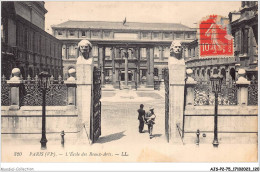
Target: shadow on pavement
[157,135]
[111,137]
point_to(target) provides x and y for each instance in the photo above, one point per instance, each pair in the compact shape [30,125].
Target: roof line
[121,22]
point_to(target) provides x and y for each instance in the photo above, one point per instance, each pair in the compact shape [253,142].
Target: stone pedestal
[71,85]
[190,84]
[84,98]
[176,98]
[242,92]
[14,83]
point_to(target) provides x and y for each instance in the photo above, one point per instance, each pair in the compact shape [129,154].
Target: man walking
[141,113]
[150,117]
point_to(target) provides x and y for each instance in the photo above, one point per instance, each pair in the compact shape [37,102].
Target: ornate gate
[166,83]
[95,121]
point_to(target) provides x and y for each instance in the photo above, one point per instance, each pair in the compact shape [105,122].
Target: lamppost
[44,84]
[216,82]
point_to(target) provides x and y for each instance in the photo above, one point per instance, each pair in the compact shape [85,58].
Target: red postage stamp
[215,37]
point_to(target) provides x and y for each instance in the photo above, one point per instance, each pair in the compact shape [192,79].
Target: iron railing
[5,92]
[203,94]
[166,83]
[253,92]
[31,93]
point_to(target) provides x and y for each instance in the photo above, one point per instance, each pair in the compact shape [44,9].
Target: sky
[187,13]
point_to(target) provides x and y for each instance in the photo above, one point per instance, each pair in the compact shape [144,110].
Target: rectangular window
[188,35]
[59,32]
[72,51]
[155,72]
[83,33]
[72,33]
[156,52]
[144,73]
[178,35]
[193,53]
[107,52]
[166,35]
[145,35]
[106,34]
[143,53]
[155,35]
[95,33]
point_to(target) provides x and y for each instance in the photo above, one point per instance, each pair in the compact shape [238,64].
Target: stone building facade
[25,44]
[244,29]
[130,54]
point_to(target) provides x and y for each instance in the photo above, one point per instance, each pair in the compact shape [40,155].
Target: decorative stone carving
[16,74]
[85,48]
[176,49]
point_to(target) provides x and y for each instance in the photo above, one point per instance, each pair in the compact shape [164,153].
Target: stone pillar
[138,66]
[101,59]
[15,83]
[177,72]
[126,69]
[84,83]
[190,84]
[71,85]
[114,78]
[242,92]
[150,68]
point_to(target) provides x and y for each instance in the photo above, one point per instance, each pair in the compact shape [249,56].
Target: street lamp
[216,82]
[44,84]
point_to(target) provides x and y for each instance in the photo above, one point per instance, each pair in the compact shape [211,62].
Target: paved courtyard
[119,117]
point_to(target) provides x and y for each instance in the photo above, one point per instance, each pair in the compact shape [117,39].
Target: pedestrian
[141,113]
[150,118]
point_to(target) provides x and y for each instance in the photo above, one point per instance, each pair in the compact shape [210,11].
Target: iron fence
[31,93]
[203,94]
[253,92]
[166,83]
[5,92]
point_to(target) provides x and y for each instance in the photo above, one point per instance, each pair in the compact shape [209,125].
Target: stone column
[242,92]
[138,66]
[190,84]
[84,83]
[71,85]
[15,83]
[150,67]
[101,63]
[177,72]
[126,69]
[114,78]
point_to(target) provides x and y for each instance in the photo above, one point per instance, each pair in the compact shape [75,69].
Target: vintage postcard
[120,81]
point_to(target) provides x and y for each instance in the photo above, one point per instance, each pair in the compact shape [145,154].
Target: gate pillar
[84,82]
[177,72]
